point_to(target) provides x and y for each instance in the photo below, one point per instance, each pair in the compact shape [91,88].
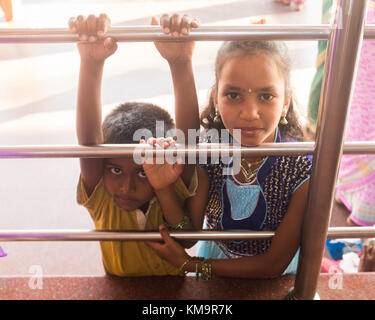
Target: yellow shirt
[130,258]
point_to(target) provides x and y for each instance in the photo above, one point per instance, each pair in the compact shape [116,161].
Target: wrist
[163,190]
[180,63]
[92,64]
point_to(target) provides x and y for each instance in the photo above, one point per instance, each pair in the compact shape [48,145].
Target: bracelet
[206,269]
[181,271]
[198,259]
[180,225]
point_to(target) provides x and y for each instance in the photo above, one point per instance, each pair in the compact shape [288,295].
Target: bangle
[198,259]
[180,225]
[181,271]
[206,269]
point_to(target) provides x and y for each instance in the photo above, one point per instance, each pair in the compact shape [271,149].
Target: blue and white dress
[258,207]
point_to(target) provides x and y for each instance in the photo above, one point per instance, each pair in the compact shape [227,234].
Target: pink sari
[356,181]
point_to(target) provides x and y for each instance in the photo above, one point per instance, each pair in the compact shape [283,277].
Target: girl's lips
[250,132]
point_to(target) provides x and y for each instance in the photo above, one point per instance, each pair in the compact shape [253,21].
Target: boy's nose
[127,185]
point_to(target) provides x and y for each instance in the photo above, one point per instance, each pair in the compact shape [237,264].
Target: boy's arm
[88,120]
[179,57]
[162,178]
[193,207]
[93,50]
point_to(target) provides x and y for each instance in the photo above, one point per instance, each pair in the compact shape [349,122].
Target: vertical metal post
[338,85]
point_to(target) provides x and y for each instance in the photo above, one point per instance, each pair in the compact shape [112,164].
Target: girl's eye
[115,171]
[142,174]
[233,95]
[266,97]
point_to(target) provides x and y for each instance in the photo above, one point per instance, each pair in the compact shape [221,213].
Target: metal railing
[204,33]
[127,150]
[342,59]
[110,235]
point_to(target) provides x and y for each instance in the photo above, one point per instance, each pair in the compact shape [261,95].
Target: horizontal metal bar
[211,149]
[127,150]
[96,235]
[204,33]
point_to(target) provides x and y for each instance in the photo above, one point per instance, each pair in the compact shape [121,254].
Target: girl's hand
[170,249]
[161,175]
[177,27]
[91,31]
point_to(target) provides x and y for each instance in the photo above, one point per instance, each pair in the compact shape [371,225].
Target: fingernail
[184,31]
[175,34]
[166,30]
[100,33]
[83,37]
[74,29]
[92,39]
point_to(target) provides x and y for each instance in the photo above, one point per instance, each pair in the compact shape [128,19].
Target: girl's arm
[93,49]
[283,248]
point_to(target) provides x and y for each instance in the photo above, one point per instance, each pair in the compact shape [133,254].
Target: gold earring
[283,121]
[217,118]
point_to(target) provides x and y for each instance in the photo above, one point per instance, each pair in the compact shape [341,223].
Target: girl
[252,94]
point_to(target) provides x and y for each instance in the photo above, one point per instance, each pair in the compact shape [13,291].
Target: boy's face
[127,183]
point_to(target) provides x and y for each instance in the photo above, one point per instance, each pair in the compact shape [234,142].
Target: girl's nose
[250,111]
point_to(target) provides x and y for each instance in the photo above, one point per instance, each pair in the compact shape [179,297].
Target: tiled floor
[330,287]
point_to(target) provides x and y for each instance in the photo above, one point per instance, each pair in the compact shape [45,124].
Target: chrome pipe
[153,33]
[204,33]
[100,235]
[127,150]
[337,88]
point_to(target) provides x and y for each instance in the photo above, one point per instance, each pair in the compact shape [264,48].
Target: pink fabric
[356,181]
[330,266]
[299,2]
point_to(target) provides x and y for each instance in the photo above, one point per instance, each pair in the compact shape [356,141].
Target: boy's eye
[114,170]
[142,174]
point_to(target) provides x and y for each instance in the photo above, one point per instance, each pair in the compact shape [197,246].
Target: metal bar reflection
[341,63]
[112,151]
[204,33]
[99,235]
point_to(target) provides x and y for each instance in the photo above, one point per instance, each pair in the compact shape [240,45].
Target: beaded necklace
[249,171]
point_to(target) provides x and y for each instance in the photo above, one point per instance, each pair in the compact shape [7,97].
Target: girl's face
[251,97]
[127,183]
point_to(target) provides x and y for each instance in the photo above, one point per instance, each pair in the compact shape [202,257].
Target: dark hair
[120,125]
[279,52]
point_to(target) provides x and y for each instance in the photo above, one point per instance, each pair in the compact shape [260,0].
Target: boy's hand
[91,31]
[177,27]
[161,175]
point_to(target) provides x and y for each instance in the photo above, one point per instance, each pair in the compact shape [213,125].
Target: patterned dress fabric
[278,178]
